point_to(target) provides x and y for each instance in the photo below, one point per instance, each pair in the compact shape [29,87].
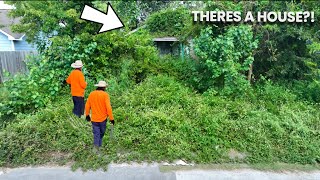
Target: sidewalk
[152,172]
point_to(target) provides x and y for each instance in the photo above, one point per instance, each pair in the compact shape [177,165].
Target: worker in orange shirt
[78,85]
[99,104]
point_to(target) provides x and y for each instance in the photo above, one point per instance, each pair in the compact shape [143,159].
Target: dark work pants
[98,129]
[78,105]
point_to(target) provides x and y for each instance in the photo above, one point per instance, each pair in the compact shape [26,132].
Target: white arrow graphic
[110,20]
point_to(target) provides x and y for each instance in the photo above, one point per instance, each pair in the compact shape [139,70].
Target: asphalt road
[149,172]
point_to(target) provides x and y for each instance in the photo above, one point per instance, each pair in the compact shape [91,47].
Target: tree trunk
[250,73]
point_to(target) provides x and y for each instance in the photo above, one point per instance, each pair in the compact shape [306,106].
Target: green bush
[112,49]
[307,90]
[227,57]
[169,22]
[186,71]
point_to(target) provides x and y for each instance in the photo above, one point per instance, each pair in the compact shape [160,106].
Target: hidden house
[10,41]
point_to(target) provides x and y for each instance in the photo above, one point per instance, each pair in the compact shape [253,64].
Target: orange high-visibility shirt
[77,82]
[99,103]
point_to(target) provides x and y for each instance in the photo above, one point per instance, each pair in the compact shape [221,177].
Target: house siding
[5,43]
[23,45]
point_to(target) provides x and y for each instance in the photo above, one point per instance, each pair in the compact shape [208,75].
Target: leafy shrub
[114,48]
[168,22]
[283,55]
[274,93]
[186,71]
[227,57]
[307,90]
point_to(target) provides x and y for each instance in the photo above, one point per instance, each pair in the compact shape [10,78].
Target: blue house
[10,41]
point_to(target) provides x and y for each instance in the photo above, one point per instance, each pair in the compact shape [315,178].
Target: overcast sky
[4,6]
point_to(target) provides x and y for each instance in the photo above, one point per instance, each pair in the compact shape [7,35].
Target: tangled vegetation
[169,121]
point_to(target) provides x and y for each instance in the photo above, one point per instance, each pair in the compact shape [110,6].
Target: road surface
[150,172]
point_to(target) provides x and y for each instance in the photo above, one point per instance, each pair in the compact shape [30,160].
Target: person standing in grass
[99,104]
[78,85]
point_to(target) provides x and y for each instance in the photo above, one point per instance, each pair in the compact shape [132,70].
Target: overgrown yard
[162,120]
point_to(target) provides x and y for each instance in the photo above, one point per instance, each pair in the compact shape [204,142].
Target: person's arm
[88,106]
[109,108]
[83,83]
[68,80]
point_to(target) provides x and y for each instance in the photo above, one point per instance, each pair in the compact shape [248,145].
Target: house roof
[6,22]
[170,39]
